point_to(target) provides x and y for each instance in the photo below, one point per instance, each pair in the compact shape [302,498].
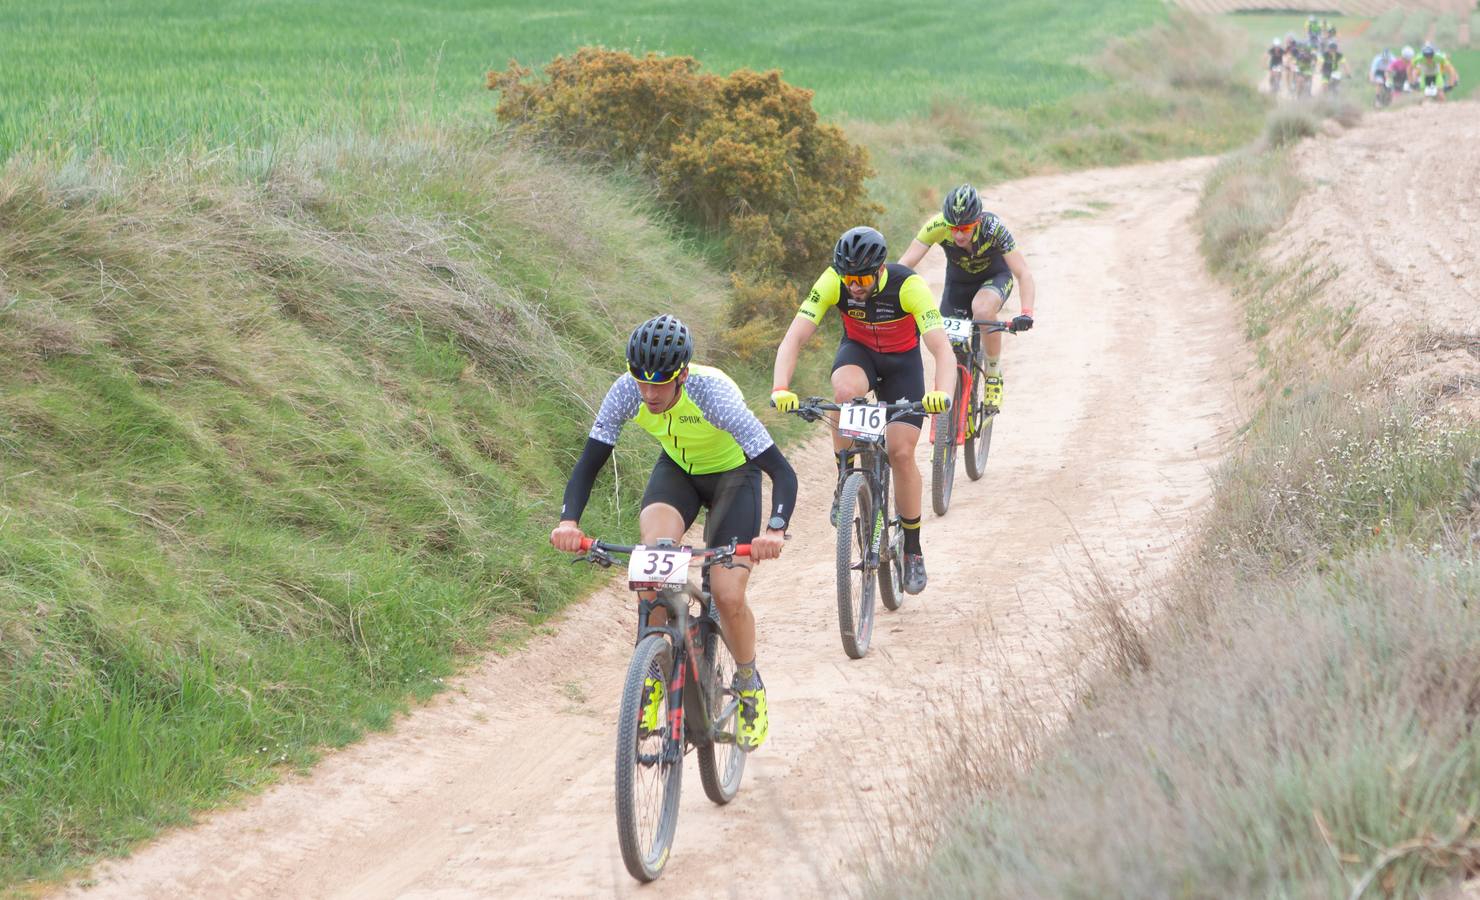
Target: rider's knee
[730,598]
[986,304]
[902,453]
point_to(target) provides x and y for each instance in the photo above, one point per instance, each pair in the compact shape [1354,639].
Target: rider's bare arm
[1018,265]
[913,255]
[797,335]
[939,345]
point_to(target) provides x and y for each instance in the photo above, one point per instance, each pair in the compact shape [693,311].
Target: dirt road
[1117,406]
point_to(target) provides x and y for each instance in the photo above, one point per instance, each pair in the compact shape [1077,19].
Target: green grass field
[133,75]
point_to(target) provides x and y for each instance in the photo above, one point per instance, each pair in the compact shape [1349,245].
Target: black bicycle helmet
[860,251]
[1428,49]
[962,205]
[661,344]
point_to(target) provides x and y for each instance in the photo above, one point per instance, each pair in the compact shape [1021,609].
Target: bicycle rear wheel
[721,764]
[943,459]
[891,569]
[978,429]
[649,764]
[857,522]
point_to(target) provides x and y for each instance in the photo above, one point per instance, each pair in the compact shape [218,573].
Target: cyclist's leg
[902,377]
[905,380]
[987,303]
[854,374]
[734,502]
[670,503]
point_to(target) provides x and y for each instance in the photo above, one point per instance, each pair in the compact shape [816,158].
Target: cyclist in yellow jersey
[887,310]
[714,451]
[1433,69]
[982,265]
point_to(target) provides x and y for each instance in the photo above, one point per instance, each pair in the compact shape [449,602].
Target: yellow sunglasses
[860,280]
[657,376]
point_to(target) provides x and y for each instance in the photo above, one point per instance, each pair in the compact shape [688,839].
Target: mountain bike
[969,420]
[687,659]
[870,543]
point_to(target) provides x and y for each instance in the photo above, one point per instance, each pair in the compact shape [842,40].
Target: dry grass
[1295,717]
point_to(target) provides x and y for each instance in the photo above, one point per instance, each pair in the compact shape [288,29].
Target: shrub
[1289,124]
[744,154]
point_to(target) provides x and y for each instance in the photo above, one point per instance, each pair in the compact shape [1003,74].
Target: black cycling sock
[911,534]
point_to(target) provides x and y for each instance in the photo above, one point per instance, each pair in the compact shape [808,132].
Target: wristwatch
[776,524]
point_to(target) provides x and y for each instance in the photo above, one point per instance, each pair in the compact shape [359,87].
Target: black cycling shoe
[914,573]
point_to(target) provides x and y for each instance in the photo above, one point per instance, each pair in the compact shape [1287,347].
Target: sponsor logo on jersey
[691,420]
[857,313]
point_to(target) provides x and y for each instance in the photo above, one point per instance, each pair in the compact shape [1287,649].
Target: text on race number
[958,329]
[656,568]
[862,420]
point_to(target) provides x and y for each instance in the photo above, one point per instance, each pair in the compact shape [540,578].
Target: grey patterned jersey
[709,429]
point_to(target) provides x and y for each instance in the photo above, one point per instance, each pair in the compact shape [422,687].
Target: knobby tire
[721,765]
[647,794]
[979,438]
[855,578]
[943,460]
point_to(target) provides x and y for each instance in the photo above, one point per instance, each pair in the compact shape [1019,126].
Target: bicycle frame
[687,634]
[966,371]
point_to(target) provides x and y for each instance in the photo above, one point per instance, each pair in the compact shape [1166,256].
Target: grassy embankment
[290,386]
[1297,717]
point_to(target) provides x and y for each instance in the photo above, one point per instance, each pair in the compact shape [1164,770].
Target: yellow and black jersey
[989,244]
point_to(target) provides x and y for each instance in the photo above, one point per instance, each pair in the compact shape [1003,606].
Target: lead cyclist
[714,451]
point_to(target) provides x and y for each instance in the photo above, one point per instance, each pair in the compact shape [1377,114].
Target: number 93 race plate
[958,330]
[653,568]
[862,420]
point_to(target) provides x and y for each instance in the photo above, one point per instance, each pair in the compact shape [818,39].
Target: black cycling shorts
[891,376]
[955,300]
[733,499]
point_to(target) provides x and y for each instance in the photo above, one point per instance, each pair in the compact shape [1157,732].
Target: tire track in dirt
[1117,406]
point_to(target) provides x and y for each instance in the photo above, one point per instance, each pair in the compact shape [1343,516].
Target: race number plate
[862,420]
[652,568]
[1431,91]
[958,330]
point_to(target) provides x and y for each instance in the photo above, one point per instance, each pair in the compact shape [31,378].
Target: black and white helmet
[963,205]
[659,345]
[860,251]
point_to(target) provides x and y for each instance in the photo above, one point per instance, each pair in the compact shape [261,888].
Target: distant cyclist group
[1297,68]
[714,448]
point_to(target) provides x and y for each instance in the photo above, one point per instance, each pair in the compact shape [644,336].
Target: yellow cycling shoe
[755,725]
[652,707]
[992,391]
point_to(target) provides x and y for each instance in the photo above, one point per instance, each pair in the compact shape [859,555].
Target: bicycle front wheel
[978,430]
[721,764]
[943,459]
[649,762]
[858,522]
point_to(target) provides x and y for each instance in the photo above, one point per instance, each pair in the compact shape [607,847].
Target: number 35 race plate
[653,568]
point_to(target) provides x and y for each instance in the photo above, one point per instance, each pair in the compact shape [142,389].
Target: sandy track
[1393,209]
[1117,406]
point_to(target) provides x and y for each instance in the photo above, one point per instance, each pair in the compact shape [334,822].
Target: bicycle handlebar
[993,325]
[727,551]
[812,408]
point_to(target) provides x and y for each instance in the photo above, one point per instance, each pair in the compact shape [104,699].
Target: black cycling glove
[1021,323]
